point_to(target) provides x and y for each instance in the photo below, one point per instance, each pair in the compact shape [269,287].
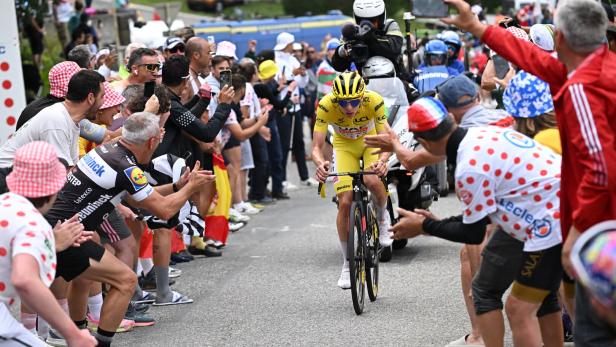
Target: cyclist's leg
[379,193]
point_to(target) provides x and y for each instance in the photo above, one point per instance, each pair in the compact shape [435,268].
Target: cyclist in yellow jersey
[353,112]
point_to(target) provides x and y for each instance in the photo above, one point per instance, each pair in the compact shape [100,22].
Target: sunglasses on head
[353,103]
[151,67]
[178,48]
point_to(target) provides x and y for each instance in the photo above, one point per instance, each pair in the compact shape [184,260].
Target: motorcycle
[407,189]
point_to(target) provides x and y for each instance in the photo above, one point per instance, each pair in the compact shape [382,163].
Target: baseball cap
[542,35]
[59,76]
[111,98]
[37,172]
[458,91]
[267,69]
[426,114]
[527,96]
[283,40]
[298,46]
[333,44]
[226,49]
[172,42]
[594,260]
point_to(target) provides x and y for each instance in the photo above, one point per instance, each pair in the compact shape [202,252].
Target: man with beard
[58,124]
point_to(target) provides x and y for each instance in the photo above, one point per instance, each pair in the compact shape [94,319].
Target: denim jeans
[292,138]
[274,150]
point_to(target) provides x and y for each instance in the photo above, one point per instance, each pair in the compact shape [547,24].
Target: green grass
[184,7]
[51,55]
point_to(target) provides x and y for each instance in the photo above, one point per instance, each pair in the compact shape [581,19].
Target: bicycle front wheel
[372,254]
[357,264]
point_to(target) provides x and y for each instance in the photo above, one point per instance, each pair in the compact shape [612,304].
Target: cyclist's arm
[380,123]
[453,229]
[318,142]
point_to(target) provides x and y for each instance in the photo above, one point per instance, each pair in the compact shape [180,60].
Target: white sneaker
[236,217]
[384,235]
[246,208]
[235,226]
[288,186]
[344,281]
[174,273]
[55,339]
[310,182]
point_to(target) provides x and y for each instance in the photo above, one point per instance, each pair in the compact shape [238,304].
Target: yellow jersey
[369,119]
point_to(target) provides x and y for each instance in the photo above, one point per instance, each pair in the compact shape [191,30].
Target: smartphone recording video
[148,89]
[501,66]
[430,8]
[225,78]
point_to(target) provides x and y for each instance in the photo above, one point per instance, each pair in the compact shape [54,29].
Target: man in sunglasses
[354,113]
[173,46]
[143,66]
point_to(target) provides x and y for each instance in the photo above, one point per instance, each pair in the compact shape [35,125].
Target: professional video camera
[353,36]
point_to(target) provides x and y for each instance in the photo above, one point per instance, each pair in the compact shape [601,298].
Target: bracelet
[175,188]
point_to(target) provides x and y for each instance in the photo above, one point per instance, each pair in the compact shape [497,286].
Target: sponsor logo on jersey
[361,119]
[93,206]
[72,179]
[97,169]
[83,196]
[518,139]
[381,104]
[542,228]
[323,108]
[136,177]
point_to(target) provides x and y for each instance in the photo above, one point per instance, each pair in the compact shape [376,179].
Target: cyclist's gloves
[453,229]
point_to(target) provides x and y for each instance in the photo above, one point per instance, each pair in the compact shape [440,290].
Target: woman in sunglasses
[354,113]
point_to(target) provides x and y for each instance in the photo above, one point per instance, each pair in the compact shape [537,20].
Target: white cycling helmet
[378,67]
[365,9]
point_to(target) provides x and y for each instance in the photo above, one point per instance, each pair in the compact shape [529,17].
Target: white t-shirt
[252,101]
[52,124]
[512,179]
[24,230]
[225,134]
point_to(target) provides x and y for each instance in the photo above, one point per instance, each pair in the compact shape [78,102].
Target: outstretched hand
[410,225]
[466,20]
[384,142]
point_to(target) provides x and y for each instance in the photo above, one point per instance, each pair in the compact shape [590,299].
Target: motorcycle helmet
[378,67]
[370,10]
[348,85]
[451,37]
[435,49]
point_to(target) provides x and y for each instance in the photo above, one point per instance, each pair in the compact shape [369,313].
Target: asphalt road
[276,285]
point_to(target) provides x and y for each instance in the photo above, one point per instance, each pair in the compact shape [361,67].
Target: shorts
[540,273]
[13,333]
[502,259]
[73,261]
[232,143]
[36,41]
[247,161]
[347,154]
[113,229]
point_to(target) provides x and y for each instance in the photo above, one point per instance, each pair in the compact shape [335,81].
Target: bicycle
[363,243]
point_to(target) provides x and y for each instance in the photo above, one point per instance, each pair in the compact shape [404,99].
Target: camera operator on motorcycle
[373,35]
[452,40]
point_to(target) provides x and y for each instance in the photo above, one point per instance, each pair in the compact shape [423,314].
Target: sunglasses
[176,49]
[353,103]
[151,67]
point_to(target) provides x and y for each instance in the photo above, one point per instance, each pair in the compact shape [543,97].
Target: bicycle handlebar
[352,174]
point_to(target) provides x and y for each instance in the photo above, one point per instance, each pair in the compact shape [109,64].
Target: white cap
[542,35]
[226,49]
[298,46]
[283,40]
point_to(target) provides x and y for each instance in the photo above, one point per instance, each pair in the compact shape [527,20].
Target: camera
[354,37]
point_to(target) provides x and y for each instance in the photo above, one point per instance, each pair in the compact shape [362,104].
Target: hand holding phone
[225,78]
[148,88]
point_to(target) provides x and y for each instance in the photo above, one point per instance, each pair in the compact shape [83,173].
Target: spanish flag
[217,219]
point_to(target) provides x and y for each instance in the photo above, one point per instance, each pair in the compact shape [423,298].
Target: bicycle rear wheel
[357,265]
[372,254]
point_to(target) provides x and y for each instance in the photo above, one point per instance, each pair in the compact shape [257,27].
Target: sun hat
[594,260]
[283,40]
[426,114]
[542,35]
[59,76]
[226,49]
[527,96]
[111,98]
[37,172]
[267,69]
[453,91]
[333,44]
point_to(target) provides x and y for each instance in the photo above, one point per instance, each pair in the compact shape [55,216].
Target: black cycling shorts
[114,228]
[73,261]
[540,273]
[232,143]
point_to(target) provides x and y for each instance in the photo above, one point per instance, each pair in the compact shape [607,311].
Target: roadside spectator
[584,120]
[33,23]
[173,46]
[82,55]
[144,67]
[78,37]
[198,53]
[62,12]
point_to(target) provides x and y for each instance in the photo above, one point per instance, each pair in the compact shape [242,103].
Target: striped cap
[426,114]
